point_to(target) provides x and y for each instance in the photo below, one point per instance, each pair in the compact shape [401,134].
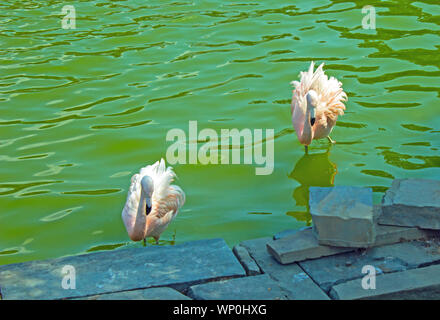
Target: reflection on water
[311,170]
[410,162]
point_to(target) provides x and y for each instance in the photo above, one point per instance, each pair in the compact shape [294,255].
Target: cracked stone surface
[290,277]
[160,293]
[246,260]
[418,284]
[121,270]
[261,287]
[332,270]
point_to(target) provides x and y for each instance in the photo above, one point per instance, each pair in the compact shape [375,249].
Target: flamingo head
[147,185]
[312,102]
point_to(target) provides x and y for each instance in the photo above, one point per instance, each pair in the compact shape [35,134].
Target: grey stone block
[412,203]
[336,269]
[260,287]
[343,216]
[300,246]
[246,260]
[160,293]
[290,277]
[418,284]
[121,270]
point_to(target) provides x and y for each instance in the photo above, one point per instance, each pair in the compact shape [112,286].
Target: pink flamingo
[152,202]
[317,102]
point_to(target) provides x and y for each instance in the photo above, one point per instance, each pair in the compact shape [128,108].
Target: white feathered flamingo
[152,202]
[317,102]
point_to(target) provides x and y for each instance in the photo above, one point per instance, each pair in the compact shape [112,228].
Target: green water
[81,110]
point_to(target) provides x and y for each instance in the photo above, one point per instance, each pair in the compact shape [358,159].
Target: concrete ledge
[161,293]
[121,270]
[419,284]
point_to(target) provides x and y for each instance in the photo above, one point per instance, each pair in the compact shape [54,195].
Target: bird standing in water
[152,202]
[317,102]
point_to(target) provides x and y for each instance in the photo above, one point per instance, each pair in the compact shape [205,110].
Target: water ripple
[78,108]
[92,192]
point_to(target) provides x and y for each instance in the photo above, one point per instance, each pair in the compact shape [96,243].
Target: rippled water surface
[82,110]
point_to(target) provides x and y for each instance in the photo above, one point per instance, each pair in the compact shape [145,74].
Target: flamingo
[152,202]
[317,101]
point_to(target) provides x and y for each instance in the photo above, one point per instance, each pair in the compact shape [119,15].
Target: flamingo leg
[331,140]
[306,148]
[145,242]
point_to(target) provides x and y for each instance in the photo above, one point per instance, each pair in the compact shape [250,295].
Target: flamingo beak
[312,99]
[148,206]
[147,190]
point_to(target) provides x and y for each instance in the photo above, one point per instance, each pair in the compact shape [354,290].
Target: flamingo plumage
[317,101]
[152,202]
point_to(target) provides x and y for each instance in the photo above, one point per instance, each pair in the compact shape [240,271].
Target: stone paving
[99,273]
[291,265]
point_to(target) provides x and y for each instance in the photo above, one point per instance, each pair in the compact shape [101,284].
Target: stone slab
[289,277]
[340,268]
[246,260]
[343,216]
[387,234]
[300,246]
[120,270]
[261,287]
[415,284]
[414,254]
[288,232]
[394,234]
[412,203]
[160,293]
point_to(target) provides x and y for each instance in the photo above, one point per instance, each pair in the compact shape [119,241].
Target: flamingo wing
[171,202]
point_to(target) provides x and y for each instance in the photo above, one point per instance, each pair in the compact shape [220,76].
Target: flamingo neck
[138,230]
[307,133]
